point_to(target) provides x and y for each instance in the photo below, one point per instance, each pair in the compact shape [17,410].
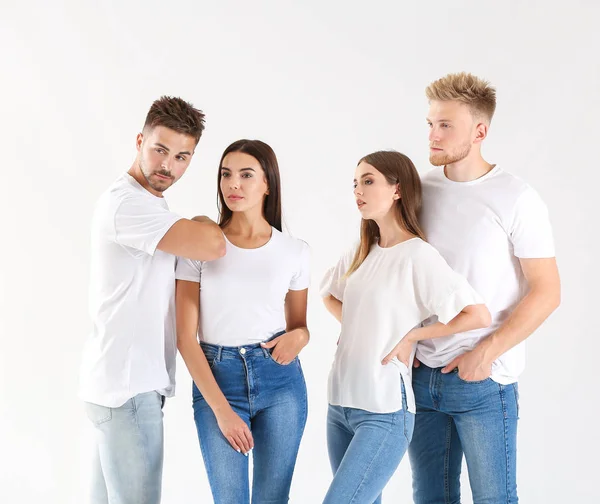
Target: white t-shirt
[242,294]
[482,228]
[392,291]
[132,347]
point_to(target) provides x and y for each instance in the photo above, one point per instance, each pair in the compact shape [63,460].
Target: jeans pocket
[457,373]
[98,414]
[294,361]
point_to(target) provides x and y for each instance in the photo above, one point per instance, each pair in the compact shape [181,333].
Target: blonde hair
[466,88]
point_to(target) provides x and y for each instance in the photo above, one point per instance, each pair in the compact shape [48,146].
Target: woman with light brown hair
[381,292]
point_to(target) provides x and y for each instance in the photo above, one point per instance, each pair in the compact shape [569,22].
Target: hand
[402,351]
[471,366]
[235,431]
[416,362]
[287,346]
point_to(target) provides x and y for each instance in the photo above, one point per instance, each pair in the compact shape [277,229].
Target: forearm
[472,317]
[199,369]
[528,315]
[334,306]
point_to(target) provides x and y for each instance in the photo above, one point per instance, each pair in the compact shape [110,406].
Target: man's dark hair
[176,114]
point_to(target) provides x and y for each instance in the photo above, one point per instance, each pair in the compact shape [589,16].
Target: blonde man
[492,228]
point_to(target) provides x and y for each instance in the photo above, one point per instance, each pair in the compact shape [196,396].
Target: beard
[445,158]
[158,185]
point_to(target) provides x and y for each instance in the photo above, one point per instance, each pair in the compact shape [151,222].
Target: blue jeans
[364,451]
[271,399]
[454,417]
[128,458]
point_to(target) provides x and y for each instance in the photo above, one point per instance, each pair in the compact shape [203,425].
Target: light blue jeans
[365,450]
[128,458]
[456,417]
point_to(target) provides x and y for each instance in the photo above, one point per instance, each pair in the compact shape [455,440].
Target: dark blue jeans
[272,400]
[456,417]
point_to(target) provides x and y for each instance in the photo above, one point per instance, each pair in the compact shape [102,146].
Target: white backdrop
[323,82]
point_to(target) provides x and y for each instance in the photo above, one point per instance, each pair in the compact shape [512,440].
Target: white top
[392,292]
[242,294]
[132,346]
[482,228]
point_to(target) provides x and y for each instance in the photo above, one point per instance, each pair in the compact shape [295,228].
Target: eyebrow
[439,120]
[364,175]
[242,169]
[169,150]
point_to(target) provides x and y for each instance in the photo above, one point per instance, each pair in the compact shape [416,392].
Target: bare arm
[187,307]
[334,306]
[287,346]
[471,317]
[200,239]
[542,298]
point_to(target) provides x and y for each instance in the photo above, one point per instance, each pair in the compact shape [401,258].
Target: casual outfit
[482,228]
[242,300]
[129,359]
[372,406]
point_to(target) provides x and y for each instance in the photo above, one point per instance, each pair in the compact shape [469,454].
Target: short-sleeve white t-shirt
[132,346]
[393,291]
[242,294]
[482,228]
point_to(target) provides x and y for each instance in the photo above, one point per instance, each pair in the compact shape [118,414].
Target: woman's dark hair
[268,162]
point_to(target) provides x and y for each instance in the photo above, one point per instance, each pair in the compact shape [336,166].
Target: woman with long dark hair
[381,292]
[249,310]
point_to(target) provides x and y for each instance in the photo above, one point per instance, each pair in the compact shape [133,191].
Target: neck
[390,231]
[470,168]
[136,172]
[248,224]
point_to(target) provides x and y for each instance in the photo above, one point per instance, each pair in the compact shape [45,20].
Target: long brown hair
[268,162]
[397,169]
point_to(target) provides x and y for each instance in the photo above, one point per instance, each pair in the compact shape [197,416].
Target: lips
[360,203]
[163,177]
[235,197]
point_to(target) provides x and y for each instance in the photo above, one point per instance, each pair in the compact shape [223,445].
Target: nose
[433,135]
[357,191]
[234,183]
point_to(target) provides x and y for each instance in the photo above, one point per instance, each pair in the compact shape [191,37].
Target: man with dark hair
[129,361]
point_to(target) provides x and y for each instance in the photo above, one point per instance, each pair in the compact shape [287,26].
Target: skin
[375,198]
[244,187]
[455,138]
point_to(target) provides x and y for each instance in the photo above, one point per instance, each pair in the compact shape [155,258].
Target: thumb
[270,344]
[451,367]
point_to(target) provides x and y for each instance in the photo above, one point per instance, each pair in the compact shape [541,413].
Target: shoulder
[433,176]
[289,244]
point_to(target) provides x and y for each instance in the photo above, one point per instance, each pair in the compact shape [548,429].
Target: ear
[138,141]
[481,131]
[397,194]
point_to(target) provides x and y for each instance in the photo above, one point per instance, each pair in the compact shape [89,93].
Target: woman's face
[375,196]
[243,182]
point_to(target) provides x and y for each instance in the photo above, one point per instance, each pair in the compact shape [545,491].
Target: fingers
[270,344]
[451,367]
[388,358]
[416,362]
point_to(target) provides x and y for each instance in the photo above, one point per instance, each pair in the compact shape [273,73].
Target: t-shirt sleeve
[141,225]
[188,269]
[439,289]
[301,277]
[334,280]
[531,232]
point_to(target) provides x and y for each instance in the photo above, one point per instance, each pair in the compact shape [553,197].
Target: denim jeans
[271,398]
[128,458]
[454,417]
[364,451]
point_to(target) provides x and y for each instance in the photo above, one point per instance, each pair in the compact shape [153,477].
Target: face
[375,196]
[243,182]
[452,132]
[163,157]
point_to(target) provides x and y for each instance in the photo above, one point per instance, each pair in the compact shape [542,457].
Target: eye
[180,158]
[445,125]
[247,175]
[160,151]
[225,174]
[368,182]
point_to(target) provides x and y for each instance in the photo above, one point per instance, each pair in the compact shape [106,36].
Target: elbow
[484,317]
[218,248]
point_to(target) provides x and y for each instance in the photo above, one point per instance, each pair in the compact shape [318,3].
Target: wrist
[487,350]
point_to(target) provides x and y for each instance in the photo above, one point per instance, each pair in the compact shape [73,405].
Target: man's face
[452,132]
[164,155]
